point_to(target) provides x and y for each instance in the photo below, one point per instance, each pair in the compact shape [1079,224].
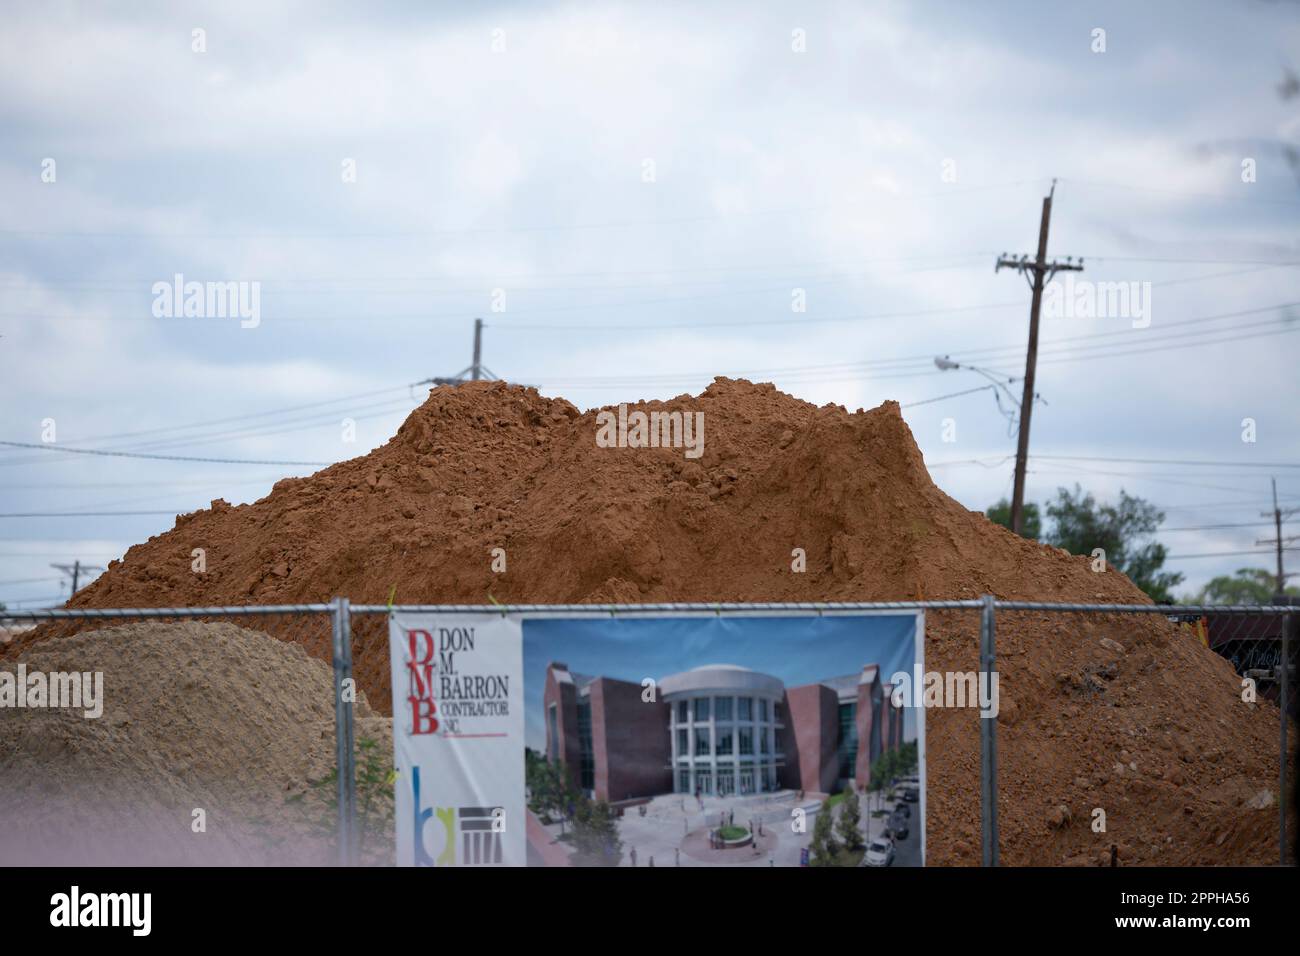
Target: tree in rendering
[849,826]
[595,834]
[825,850]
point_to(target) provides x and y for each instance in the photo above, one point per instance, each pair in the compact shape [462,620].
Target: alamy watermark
[651,430]
[241,299]
[73,689]
[75,908]
[1071,298]
[947,689]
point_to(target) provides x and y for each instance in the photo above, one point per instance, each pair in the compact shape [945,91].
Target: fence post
[344,751]
[349,725]
[988,744]
[1288,623]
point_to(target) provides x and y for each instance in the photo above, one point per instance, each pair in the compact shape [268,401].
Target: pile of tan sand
[1165,744]
[195,716]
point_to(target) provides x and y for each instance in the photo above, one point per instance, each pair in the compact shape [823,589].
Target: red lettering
[428,643]
[420,667]
[430,722]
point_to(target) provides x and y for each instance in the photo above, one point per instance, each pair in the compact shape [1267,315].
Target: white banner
[675,738]
[458,736]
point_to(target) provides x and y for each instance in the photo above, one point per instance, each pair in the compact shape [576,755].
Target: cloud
[524,170]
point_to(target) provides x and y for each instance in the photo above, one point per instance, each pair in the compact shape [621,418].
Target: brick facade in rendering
[717,730]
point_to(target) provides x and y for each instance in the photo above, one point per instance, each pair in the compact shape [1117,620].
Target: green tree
[551,793]
[908,759]
[1032,524]
[595,834]
[1080,524]
[825,849]
[883,771]
[848,827]
[1247,586]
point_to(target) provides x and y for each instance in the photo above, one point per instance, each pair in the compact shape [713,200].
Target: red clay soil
[1155,734]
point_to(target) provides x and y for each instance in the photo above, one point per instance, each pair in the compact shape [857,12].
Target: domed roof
[722,679]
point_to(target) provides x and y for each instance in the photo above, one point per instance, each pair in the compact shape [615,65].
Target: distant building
[717,730]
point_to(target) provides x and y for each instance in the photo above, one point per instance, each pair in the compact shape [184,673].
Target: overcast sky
[648,185]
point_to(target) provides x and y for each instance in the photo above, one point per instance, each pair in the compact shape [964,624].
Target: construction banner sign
[760,738]
[458,737]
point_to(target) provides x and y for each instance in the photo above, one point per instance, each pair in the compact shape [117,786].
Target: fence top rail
[701,607]
[88,613]
[1149,608]
[249,610]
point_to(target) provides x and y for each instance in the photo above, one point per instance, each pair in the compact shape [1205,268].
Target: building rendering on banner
[717,730]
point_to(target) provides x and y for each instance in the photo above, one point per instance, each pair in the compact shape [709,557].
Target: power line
[1158,333]
[1215,504]
[540,227]
[727,290]
[987,354]
[312,421]
[817,370]
[1156,345]
[1172,461]
[48,554]
[917,363]
[1217,527]
[765,269]
[146,316]
[233,418]
[329,285]
[1218,554]
[80,485]
[984,463]
[52,597]
[91,514]
[589,327]
[940,398]
[1180,193]
[127,454]
[1147,477]
[278,428]
[862,317]
[216,421]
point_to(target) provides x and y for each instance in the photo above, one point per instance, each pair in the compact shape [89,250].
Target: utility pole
[1038,273]
[74,570]
[475,372]
[476,369]
[1277,515]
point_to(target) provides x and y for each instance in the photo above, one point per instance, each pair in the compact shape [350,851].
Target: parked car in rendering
[879,853]
[898,826]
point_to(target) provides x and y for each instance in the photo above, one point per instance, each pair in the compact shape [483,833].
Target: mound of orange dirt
[487,465]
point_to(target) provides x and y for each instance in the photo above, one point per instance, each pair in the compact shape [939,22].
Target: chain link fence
[198,720]
[1125,681]
[1122,661]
